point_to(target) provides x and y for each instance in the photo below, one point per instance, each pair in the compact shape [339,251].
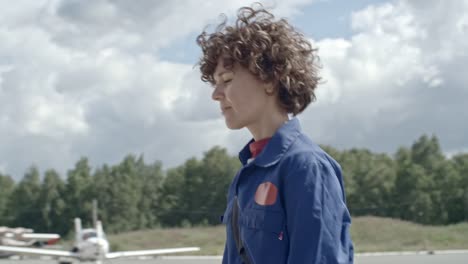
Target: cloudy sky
[103,78]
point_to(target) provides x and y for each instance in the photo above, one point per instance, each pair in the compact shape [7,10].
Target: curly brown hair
[273,51]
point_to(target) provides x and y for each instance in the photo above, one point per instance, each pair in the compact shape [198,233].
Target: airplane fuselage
[92,249]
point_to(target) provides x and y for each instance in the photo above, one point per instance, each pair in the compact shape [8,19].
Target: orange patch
[266,194]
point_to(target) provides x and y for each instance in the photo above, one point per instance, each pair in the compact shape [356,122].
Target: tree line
[418,183]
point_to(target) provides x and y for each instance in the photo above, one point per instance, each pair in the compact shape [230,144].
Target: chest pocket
[266,220]
[264,235]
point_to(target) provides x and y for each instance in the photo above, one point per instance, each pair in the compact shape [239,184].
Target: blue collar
[276,147]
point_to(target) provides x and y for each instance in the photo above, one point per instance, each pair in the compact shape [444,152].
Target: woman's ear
[269,88]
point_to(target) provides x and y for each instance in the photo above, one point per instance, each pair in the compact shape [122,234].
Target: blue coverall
[305,218]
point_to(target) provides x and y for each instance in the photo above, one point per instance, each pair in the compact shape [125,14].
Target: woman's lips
[225,109]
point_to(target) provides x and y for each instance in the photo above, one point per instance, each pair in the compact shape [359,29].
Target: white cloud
[85,79]
[397,77]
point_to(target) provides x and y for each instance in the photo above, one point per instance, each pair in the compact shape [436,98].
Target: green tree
[217,171]
[427,153]
[51,203]
[101,191]
[345,161]
[124,192]
[151,177]
[196,192]
[170,212]
[446,194]
[191,187]
[23,204]
[371,179]
[460,163]
[78,194]
[7,186]
[412,190]
[451,191]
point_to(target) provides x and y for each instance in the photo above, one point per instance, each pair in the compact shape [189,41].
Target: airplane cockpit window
[89,235]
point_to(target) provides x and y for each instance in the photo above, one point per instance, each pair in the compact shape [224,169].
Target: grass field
[369,234]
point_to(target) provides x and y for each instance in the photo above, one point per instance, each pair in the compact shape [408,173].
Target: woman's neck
[267,126]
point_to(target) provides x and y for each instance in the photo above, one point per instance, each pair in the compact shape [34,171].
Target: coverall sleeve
[225,254]
[317,219]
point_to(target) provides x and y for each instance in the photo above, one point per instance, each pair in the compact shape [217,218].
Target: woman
[287,202]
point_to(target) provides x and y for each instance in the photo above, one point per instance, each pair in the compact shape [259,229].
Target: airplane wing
[35,251]
[124,254]
[14,242]
[40,236]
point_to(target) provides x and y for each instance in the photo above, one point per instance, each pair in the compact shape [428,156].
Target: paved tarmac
[409,258]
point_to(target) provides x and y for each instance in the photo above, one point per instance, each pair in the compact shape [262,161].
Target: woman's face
[242,97]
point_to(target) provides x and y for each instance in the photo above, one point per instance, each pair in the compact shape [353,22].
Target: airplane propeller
[100,236]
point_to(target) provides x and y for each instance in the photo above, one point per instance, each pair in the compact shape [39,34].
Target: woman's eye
[227,77]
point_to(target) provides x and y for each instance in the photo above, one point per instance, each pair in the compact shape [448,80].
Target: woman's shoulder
[306,153]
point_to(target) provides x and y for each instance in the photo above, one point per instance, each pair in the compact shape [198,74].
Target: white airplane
[24,237]
[91,245]
[20,236]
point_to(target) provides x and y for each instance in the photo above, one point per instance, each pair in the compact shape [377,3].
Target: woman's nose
[217,94]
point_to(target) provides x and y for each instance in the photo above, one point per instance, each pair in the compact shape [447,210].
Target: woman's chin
[233,125]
